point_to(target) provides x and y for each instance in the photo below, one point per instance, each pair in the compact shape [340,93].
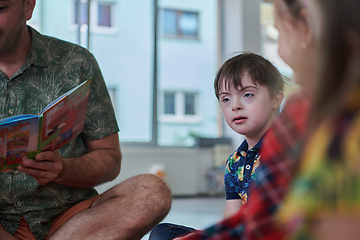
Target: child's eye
[225,100]
[246,95]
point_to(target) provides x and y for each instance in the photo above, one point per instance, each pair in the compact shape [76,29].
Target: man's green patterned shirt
[52,68]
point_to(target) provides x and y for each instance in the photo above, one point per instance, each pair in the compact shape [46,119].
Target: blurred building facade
[120,33]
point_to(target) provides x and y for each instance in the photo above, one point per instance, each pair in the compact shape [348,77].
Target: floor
[198,213]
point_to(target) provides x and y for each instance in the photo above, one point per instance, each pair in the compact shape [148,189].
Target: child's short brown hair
[260,70]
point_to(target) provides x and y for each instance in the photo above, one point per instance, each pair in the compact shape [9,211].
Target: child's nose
[236,106]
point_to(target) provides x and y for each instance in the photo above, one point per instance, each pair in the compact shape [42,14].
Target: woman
[322,201]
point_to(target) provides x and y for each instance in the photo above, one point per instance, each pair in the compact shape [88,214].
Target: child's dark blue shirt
[240,171]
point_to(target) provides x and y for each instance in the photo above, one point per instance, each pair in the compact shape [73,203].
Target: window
[169,103]
[180,107]
[180,23]
[189,103]
[104,15]
[101,16]
[112,93]
[81,12]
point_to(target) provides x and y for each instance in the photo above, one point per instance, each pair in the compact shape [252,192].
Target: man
[52,197]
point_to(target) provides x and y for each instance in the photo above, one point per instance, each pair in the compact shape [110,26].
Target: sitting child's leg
[167,231]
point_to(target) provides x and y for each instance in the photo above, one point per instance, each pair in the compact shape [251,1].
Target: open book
[60,121]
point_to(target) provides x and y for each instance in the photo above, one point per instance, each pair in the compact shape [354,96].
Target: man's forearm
[101,164]
[6,235]
[91,169]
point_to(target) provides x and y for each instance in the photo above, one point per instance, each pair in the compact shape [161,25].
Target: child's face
[249,110]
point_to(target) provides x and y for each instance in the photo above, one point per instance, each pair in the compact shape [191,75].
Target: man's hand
[44,168]
[101,164]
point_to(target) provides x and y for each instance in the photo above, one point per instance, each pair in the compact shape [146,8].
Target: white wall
[185,167]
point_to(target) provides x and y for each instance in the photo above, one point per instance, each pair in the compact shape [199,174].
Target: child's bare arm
[232,206]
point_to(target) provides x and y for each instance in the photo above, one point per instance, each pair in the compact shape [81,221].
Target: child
[250,91]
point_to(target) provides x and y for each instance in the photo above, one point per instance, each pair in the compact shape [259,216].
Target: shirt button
[11,111]
[10,83]
[19,204]
[247,167]
[15,172]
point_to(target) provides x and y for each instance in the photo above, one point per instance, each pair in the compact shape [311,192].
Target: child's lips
[240,119]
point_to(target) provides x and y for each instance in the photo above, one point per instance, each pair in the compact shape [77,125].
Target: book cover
[27,135]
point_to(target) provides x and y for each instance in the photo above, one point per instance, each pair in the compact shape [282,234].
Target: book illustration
[27,135]
[17,140]
[63,120]
[17,147]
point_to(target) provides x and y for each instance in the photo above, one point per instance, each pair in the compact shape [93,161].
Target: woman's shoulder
[302,96]
[296,105]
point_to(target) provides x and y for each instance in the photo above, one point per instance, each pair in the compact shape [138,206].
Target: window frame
[94,15]
[179,116]
[178,29]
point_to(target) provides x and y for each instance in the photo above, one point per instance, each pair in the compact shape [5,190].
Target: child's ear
[277,100]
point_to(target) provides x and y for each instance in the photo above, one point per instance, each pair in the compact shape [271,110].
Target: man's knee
[156,187]
[150,198]
[150,181]
[146,189]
